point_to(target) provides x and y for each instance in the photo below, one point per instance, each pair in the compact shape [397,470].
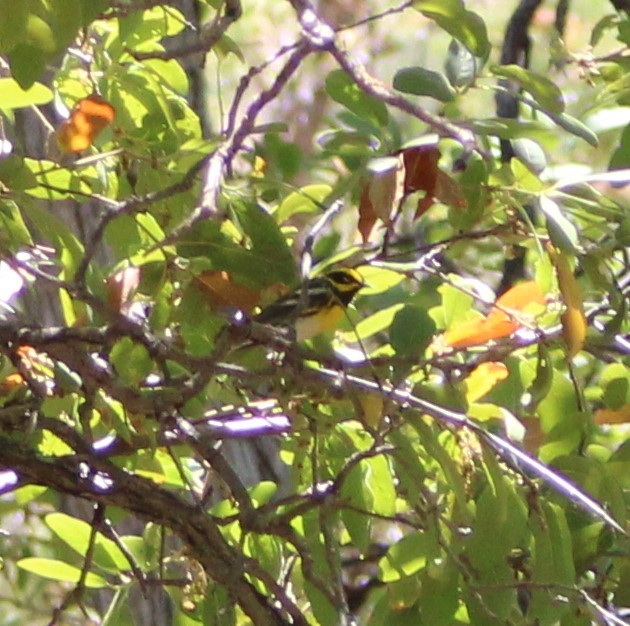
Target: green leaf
[307,200]
[170,73]
[358,524]
[380,486]
[510,129]
[131,361]
[267,550]
[14,97]
[199,326]
[563,233]
[530,153]
[606,23]
[406,557]
[544,90]
[90,9]
[13,24]
[457,305]
[76,533]
[440,592]
[420,81]
[621,156]
[13,231]
[151,25]
[474,184]
[284,156]
[377,322]
[575,127]
[615,383]
[55,231]
[624,32]
[551,561]
[58,570]
[342,89]
[541,384]
[465,26]
[59,183]
[411,331]
[27,64]
[500,528]
[269,253]
[460,65]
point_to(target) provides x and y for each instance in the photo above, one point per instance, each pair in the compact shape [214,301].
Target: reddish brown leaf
[367,216]
[121,288]
[421,169]
[381,194]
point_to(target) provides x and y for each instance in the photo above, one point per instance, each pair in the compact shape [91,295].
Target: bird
[316,307]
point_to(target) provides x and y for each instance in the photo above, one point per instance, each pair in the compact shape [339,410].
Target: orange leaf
[88,119]
[613,416]
[222,293]
[522,298]
[478,331]
[10,383]
[484,378]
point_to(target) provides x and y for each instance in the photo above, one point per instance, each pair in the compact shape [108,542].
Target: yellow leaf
[483,379]
[573,319]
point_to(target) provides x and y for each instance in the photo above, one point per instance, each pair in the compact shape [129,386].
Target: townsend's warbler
[318,307]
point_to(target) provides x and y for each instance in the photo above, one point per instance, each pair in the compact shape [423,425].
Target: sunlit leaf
[14,97]
[483,378]
[466,26]
[58,570]
[406,557]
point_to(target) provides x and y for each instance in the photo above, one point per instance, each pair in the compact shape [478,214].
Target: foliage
[447,457]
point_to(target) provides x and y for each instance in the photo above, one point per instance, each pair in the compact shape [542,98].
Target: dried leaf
[421,174]
[381,194]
